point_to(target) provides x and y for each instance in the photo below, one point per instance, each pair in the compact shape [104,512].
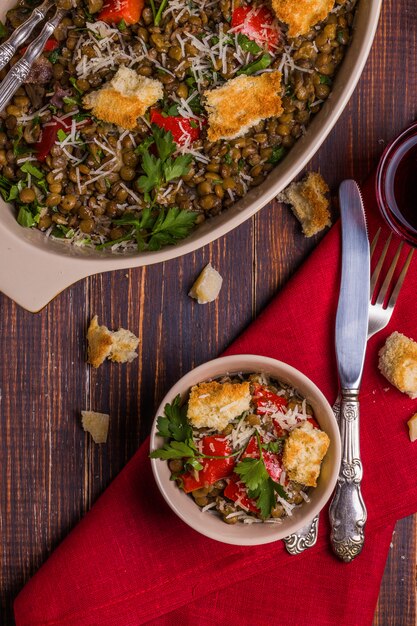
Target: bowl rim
[228,364]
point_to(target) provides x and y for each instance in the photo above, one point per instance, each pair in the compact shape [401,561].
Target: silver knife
[347,510]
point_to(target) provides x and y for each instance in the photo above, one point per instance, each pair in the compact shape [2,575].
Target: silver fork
[20,70]
[379,316]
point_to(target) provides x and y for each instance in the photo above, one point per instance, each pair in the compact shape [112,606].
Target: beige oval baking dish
[34,269]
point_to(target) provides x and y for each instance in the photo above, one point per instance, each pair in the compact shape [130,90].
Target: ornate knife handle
[347,511]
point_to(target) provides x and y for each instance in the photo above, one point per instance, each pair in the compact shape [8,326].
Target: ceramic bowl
[209,524]
[34,268]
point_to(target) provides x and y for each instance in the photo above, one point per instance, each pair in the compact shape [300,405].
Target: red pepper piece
[273,461]
[266,401]
[313,422]
[183,129]
[257,23]
[213,469]
[280,432]
[236,491]
[49,135]
[49,46]
[114,11]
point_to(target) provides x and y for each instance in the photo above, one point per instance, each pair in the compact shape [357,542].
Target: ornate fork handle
[347,511]
[19,72]
[9,47]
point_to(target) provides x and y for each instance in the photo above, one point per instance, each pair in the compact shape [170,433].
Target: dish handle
[32,276]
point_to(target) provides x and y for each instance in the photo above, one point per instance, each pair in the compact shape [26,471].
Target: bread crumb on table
[241,103]
[412,427]
[119,346]
[398,363]
[309,203]
[97,424]
[122,100]
[304,451]
[301,15]
[214,405]
[207,286]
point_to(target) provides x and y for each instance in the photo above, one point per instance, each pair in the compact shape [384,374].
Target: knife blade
[347,511]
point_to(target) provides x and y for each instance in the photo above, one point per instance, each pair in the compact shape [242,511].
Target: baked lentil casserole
[138,123]
[246,447]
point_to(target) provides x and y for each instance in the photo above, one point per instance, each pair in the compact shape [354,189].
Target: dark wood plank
[50,471]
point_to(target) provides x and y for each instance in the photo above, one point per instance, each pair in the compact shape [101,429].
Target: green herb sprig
[259,484]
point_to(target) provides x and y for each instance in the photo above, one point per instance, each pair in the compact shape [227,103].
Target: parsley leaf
[3,30]
[278,153]
[259,484]
[54,56]
[260,64]
[28,168]
[252,472]
[154,173]
[173,424]
[177,167]
[26,218]
[170,226]
[248,45]
[164,141]
[174,450]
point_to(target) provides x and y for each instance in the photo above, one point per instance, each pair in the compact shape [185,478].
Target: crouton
[214,405]
[304,451]
[97,424]
[242,103]
[398,363]
[207,286]
[302,14]
[119,346]
[127,96]
[412,427]
[309,203]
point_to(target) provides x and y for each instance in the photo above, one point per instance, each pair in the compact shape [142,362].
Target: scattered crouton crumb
[398,363]
[207,286]
[309,203]
[97,424]
[119,346]
[261,96]
[214,405]
[412,427]
[302,14]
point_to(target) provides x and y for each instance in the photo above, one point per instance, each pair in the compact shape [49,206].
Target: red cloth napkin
[131,561]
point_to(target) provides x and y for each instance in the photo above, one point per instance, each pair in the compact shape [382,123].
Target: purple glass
[396,185]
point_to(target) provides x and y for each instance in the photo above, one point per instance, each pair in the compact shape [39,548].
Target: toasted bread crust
[118,346]
[301,15]
[398,363]
[214,404]
[412,427]
[241,103]
[304,451]
[126,97]
[99,343]
[309,203]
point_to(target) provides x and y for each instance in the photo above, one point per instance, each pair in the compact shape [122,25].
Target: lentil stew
[78,178]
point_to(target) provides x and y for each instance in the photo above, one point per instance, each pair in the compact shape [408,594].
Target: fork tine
[400,280]
[385,285]
[375,241]
[381,260]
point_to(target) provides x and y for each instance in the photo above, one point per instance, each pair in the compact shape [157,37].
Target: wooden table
[51,473]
